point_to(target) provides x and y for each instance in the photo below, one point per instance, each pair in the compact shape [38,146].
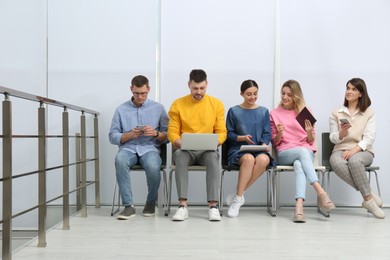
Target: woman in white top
[352,130]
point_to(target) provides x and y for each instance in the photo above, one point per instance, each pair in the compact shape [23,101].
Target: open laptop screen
[197,141]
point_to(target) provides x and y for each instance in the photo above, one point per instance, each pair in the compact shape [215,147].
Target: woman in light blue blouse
[247,124]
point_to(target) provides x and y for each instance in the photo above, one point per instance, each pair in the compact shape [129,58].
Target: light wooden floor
[350,233]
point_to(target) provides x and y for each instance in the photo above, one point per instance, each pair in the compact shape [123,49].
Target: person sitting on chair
[196,113]
[247,123]
[352,130]
[295,146]
[138,127]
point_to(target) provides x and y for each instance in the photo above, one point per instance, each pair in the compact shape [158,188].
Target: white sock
[238,198]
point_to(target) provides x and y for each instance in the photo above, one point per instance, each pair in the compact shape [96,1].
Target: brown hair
[139,81]
[364,101]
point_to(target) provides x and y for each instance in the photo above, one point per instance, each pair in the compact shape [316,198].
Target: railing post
[41,176]
[83,167]
[7,183]
[65,173]
[78,167]
[97,167]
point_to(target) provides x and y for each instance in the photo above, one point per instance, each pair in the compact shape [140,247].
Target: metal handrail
[81,161]
[45,100]
[47,169]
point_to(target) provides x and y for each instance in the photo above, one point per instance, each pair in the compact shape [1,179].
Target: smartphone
[344,121]
[139,127]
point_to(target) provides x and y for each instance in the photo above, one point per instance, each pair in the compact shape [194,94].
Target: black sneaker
[149,209]
[127,213]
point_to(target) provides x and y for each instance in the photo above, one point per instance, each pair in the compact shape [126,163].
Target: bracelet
[157,134]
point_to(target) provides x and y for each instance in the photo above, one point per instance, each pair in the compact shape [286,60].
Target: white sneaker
[377,200]
[181,214]
[373,208]
[214,214]
[230,198]
[234,209]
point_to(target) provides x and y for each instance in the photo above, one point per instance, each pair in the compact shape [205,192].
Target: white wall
[326,43]
[95,47]
[232,41]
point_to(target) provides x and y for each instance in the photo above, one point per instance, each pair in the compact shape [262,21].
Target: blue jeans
[302,160]
[150,161]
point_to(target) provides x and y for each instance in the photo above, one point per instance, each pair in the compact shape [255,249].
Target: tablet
[254,148]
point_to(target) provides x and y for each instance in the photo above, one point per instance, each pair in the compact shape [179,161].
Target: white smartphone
[344,121]
[139,127]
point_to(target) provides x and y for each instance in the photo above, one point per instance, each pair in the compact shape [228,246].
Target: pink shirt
[294,135]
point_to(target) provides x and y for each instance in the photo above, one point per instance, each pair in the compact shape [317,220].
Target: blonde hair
[297,95]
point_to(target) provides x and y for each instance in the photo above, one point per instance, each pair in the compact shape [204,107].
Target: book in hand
[303,115]
[254,148]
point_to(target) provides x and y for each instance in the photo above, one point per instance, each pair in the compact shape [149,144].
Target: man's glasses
[143,94]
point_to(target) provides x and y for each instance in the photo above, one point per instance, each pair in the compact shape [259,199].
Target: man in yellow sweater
[196,113]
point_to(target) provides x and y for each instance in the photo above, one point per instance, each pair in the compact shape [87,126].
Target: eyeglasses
[143,94]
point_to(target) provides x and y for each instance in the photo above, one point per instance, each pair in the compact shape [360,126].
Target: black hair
[248,84]
[198,76]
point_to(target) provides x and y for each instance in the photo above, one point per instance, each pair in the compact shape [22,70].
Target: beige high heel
[299,217]
[324,202]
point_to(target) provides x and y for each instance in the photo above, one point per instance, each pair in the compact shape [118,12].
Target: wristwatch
[157,134]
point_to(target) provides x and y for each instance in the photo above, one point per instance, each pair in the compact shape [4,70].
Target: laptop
[199,141]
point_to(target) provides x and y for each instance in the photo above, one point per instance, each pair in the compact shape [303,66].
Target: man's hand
[149,131]
[134,133]
[177,143]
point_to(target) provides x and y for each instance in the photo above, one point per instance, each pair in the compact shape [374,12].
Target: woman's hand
[349,153]
[308,126]
[309,130]
[248,139]
[280,129]
[245,138]
[344,130]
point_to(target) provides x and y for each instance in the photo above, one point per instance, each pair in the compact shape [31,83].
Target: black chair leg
[113,212]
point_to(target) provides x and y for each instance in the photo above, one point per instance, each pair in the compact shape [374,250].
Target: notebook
[254,148]
[199,141]
[303,115]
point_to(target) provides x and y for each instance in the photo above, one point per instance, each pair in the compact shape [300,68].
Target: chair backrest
[163,155]
[225,157]
[327,148]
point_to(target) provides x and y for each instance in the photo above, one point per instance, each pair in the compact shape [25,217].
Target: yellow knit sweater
[187,115]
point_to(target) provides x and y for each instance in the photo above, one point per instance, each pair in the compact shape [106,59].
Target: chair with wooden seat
[139,168]
[327,148]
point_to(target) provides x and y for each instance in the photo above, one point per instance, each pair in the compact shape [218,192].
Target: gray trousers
[353,171]
[210,159]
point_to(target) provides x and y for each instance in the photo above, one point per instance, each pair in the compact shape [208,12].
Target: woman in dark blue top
[247,124]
